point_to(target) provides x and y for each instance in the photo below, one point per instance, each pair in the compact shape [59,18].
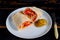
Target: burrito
[21,20]
[33,13]
[25,17]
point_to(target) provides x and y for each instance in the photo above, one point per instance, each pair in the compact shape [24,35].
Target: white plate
[32,31]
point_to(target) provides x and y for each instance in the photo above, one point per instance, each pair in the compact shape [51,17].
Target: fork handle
[56,31]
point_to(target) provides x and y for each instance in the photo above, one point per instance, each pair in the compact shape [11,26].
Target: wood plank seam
[5,27]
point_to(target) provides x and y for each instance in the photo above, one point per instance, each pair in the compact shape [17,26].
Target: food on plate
[40,22]
[32,13]
[21,20]
[26,17]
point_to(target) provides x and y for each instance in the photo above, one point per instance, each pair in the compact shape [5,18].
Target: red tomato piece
[30,13]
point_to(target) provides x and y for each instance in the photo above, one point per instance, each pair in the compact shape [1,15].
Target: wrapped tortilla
[33,13]
[25,18]
[21,20]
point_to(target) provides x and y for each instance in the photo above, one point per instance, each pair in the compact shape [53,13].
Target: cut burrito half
[21,20]
[33,13]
